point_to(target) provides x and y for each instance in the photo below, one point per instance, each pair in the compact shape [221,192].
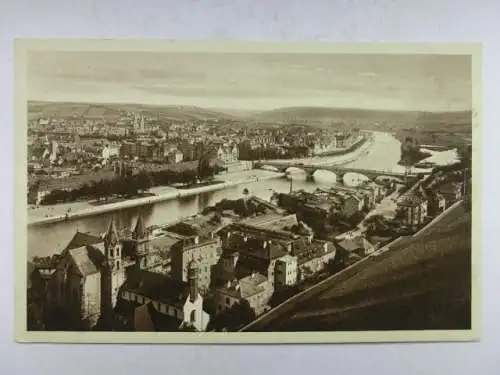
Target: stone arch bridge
[339,171]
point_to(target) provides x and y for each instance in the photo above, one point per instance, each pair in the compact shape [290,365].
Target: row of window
[112,252]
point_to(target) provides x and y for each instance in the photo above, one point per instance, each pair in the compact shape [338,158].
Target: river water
[48,239]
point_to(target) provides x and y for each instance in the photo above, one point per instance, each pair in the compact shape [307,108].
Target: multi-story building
[228,154]
[280,256]
[352,205]
[436,204]
[312,256]
[205,251]
[451,191]
[286,271]
[128,149]
[253,291]
[413,209]
[154,302]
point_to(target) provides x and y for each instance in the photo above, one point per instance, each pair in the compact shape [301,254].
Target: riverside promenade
[73,210]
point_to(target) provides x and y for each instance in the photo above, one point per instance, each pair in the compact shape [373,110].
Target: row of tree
[267,153]
[128,185]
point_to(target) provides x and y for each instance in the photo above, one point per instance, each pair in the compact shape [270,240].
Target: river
[48,239]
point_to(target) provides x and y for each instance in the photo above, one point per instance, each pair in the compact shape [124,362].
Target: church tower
[193,281]
[113,272]
[141,237]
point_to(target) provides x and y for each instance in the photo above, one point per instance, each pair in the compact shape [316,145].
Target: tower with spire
[142,123]
[193,277]
[113,272]
[141,237]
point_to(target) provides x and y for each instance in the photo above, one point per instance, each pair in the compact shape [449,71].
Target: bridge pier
[310,175]
[340,177]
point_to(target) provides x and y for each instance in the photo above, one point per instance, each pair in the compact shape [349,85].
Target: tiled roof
[352,244]
[145,318]
[158,287]
[247,286]
[410,200]
[307,251]
[163,243]
[87,259]
[255,247]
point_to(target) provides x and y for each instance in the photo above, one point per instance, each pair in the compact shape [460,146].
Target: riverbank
[73,210]
[360,141]
[70,211]
[355,152]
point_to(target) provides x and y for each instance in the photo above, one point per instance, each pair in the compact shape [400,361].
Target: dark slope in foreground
[423,283]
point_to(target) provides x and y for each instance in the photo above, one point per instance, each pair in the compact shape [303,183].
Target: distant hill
[383,120]
[114,111]
[371,119]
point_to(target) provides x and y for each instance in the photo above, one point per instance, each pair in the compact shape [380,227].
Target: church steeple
[140,229]
[193,281]
[113,274]
[111,237]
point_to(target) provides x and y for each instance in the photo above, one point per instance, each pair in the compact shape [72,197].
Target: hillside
[114,111]
[423,282]
[320,116]
[371,119]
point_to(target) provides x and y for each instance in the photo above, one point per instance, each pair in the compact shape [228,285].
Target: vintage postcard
[182,192]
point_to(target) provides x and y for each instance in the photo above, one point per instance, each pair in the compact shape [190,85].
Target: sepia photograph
[246,192]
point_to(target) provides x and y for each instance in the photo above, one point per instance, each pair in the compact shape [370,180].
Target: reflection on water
[48,239]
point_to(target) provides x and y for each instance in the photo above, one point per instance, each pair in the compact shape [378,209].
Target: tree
[143,181]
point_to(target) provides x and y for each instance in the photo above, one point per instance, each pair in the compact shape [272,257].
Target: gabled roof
[88,259]
[83,239]
[352,244]
[158,287]
[248,286]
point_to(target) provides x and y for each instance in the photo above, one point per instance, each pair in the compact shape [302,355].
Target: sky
[253,81]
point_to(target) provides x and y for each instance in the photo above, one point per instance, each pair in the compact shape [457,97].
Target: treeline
[241,207]
[129,185]
[272,153]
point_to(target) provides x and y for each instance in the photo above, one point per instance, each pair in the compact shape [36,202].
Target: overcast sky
[253,81]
